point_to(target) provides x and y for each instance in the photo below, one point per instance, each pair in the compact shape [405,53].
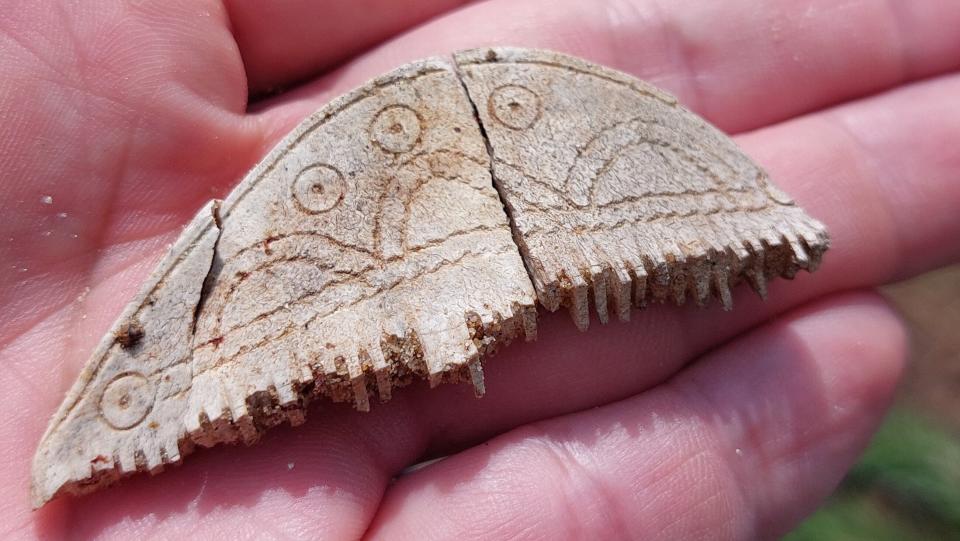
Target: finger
[323,480]
[884,173]
[741,64]
[283,42]
[119,123]
[740,446]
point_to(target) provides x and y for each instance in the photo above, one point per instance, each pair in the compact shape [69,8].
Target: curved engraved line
[543,184]
[720,184]
[655,218]
[587,147]
[590,175]
[406,198]
[220,307]
[759,173]
[720,188]
[458,233]
[303,232]
[369,295]
[602,132]
[408,280]
[356,277]
[378,217]
[153,399]
[361,94]
[414,193]
[247,349]
[563,195]
[676,214]
[421,181]
[385,189]
[351,278]
[623,80]
[408,210]
[238,278]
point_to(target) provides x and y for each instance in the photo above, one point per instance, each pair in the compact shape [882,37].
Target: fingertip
[863,347]
[742,444]
[801,397]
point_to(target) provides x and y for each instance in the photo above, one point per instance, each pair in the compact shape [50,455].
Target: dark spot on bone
[129,334]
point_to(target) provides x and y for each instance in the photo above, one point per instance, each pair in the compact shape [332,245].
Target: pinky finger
[741,445]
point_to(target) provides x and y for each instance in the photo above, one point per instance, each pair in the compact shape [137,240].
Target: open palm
[120,120]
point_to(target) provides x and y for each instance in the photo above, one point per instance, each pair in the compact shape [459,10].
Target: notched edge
[637,280]
[269,409]
[521,55]
[191,238]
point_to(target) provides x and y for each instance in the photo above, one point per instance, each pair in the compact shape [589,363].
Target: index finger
[282,42]
[741,64]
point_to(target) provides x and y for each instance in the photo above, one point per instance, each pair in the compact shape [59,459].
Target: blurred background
[907,484]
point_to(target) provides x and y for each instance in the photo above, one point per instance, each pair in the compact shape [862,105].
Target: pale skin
[682,424]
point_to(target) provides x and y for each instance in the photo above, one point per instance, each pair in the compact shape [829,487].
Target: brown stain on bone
[129,334]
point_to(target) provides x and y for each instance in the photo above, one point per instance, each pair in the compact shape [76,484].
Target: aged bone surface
[620,195]
[371,247]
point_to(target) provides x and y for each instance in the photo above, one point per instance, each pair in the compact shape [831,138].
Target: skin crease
[121,119]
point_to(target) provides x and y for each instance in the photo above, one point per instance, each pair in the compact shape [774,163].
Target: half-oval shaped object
[406,230]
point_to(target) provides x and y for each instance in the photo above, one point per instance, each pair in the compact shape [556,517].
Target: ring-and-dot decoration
[127,400]
[318,188]
[515,106]
[396,129]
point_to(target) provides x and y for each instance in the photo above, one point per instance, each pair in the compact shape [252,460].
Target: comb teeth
[620,287]
[375,363]
[650,267]
[344,372]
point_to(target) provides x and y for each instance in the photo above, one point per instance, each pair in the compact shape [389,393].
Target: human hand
[121,121]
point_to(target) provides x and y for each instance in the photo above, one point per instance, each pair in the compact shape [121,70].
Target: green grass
[906,486]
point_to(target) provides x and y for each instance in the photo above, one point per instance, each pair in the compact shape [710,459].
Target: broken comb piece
[373,246]
[613,188]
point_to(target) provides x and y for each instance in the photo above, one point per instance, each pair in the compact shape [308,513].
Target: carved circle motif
[127,400]
[318,188]
[396,129]
[515,106]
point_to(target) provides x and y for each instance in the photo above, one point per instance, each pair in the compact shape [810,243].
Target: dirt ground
[931,305]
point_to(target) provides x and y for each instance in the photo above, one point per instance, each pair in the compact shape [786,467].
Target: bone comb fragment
[619,195]
[372,246]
